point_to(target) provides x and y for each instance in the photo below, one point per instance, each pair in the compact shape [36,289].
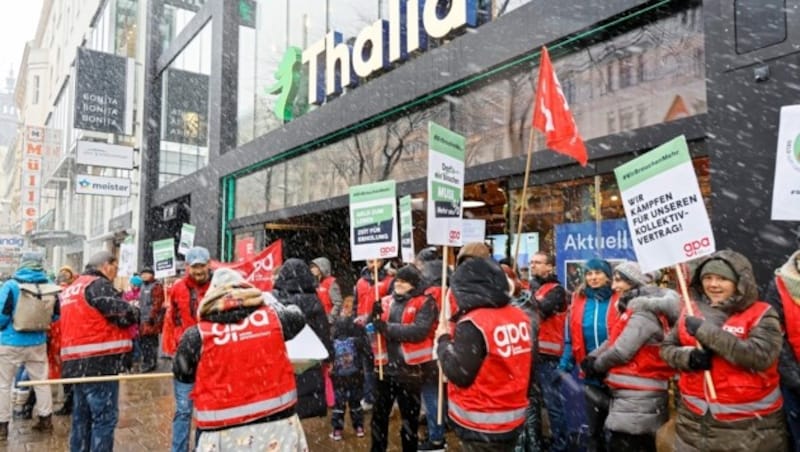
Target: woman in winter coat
[741,340]
[629,360]
[295,285]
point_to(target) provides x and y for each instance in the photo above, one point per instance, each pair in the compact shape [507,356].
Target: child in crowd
[132,296]
[350,349]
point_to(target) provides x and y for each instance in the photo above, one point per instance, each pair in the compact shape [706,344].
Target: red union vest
[646,371]
[551,331]
[791,316]
[365,294]
[496,401]
[741,393]
[84,331]
[576,322]
[413,352]
[244,371]
[323,292]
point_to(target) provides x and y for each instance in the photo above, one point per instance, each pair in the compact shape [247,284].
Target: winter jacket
[152,322]
[788,363]
[554,301]
[346,327]
[185,297]
[9,296]
[334,292]
[755,354]
[397,333]
[295,285]
[638,411]
[102,295]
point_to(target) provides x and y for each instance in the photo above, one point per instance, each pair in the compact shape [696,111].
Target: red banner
[245,249]
[258,269]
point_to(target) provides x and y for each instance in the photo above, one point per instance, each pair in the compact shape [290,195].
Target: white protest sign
[445,185]
[187,238]
[473,231]
[786,191]
[665,211]
[164,258]
[373,222]
[406,230]
[127,258]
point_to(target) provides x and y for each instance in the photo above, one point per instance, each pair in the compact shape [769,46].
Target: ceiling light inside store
[471,204]
[614,198]
[417,203]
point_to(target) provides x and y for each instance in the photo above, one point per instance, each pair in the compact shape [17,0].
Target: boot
[3,431]
[43,424]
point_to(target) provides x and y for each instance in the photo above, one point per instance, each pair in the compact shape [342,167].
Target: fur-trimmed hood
[746,288]
[658,301]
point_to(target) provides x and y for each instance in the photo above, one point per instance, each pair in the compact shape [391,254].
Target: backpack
[35,307]
[345,362]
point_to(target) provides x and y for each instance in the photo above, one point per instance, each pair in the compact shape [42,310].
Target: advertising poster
[127,258]
[576,243]
[187,238]
[164,258]
[666,214]
[406,230]
[373,222]
[473,231]
[445,185]
[786,191]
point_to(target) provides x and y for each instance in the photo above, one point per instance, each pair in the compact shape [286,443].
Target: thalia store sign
[334,64]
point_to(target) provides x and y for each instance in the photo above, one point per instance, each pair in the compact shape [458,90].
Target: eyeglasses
[538,262]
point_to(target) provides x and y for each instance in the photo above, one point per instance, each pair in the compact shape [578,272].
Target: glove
[380,326]
[587,366]
[692,324]
[377,309]
[700,359]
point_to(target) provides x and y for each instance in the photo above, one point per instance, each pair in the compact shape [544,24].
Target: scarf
[230,296]
[791,276]
[600,294]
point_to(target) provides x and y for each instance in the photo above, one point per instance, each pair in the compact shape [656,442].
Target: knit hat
[599,264]
[720,268]
[197,255]
[473,249]
[147,270]
[410,274]
[427,254]
[136,280]
[631,273]
[32,260]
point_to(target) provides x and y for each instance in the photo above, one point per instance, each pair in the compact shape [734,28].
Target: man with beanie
[783,295]
[741,340]
[487,360]
[95,342]
[152,307]
[22,346]
[328,289]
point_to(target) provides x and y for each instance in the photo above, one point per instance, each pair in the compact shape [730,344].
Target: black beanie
[410,274]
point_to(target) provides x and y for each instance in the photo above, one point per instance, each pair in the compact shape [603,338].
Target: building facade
[261,115]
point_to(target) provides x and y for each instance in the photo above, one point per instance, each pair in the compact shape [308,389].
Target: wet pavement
[145,424]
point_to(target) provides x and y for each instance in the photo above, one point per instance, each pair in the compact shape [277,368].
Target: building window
[759,24]
[626,119]
[626,72]
[36,87]
[611,120]
[568,86]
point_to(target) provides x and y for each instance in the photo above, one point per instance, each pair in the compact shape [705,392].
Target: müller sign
[410,24]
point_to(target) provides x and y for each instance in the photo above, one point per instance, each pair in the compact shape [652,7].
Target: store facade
[248,148]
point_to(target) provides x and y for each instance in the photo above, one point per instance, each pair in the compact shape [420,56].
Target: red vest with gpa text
[576,322]
[244,371]
[496,401]
[551,331]
[646,371]
[365,294]
[791,316]
[84,331]
[413,352]
[741,393]
[323,292]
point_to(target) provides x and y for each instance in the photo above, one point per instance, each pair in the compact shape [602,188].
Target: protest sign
[445,185]
[373,222]
[406,230]
[187,238]
[164,258]
[786,191]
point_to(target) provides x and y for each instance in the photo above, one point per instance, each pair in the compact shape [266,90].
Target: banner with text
[187,238]
[576,243]
[31,182]
[104,85]
[258,269]
[127,258]
[164,258]
[373,222]
[664,207]
[406,230]
[786,191]
[473,231]
[445,185]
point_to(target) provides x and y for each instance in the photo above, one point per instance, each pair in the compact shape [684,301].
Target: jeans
[791,407]
[370,377]
[182,421]
[349,391]
[430,397]
[149,349]
[95,411]
[550,384]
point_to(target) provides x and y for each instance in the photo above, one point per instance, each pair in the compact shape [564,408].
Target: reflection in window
[125,31]
[759,24]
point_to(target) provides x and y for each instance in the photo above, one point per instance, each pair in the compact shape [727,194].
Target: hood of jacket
[746,288]
[324,265]
[432,273]
[29,275]
[367,274]
[295,277]
[479,283]
[790,275]
[657,301]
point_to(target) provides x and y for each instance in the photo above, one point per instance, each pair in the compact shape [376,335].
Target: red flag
[552,117]
[258,269]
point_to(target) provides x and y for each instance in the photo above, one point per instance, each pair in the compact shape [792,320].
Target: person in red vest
[630,362]
[741,339]
[405,321]
[328,289]
[95,342]
[364,292]
[591,317]
[185,297]
[487,360]
[783,295]
[236,360]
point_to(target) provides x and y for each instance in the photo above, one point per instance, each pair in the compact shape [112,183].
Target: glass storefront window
[176,15]
[125,31]
[184,116]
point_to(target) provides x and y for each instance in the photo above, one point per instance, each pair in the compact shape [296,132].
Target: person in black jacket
[295,285]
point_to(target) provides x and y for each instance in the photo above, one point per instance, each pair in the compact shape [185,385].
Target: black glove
[377,309]
[692,324]
[380,326]
[587,366]
[700,359]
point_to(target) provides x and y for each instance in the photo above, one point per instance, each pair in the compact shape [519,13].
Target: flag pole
[442,321]
[690,310]
[377,333]
[523,202]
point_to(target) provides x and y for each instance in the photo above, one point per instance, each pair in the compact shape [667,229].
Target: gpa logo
[508,337]
[695,247]
[455,236]
[232,332]
[388,251]
[737,331]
